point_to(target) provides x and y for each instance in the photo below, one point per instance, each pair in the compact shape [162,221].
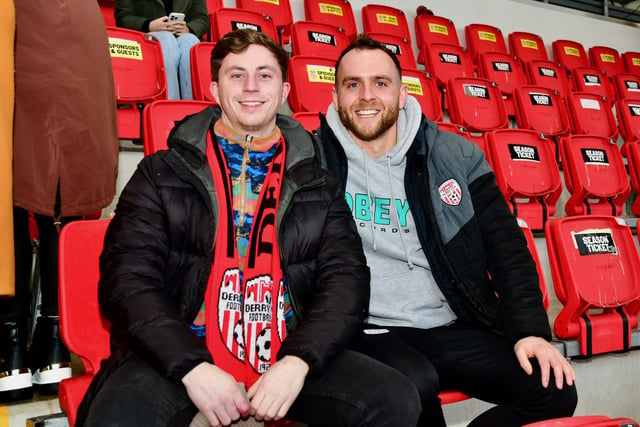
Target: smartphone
[176,16]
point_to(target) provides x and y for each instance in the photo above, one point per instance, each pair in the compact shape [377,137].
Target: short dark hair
[238,41]
[364,42]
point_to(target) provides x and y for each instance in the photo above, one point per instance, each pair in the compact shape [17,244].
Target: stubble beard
[389,118]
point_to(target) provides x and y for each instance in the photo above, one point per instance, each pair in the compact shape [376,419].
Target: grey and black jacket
[476,250]
[159,248]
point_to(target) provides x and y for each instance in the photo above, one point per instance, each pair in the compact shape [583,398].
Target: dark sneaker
[15,375]
[50,358]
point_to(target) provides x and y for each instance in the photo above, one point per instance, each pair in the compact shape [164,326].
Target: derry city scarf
[244,306]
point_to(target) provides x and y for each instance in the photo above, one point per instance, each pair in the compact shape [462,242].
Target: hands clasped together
[217,395]
[164,24]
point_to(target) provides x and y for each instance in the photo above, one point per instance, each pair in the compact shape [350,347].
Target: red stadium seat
[225,20]
[312,79]
[595,268]
[279,11]
[570,54]
[633,160]
[483,38]
[446,61]
[531,244]
[333,12]
[627,86]
[526,172]
[308,119]
[423,87]
[586,421]
[628,111]
[548,74]
[377,18]
[593,80]
[400,46]
[541,109]
[138,74]
[477,105]
[592,115]
[594,174]
[82,328]
[433,29]
[527,46]
[506,71]
[607,59]
[201,71]
[160,117]
[632,62]
[454,128]
[317,39]
[108,14]
[212,6]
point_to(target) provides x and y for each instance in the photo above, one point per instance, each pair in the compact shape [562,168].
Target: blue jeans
[352,391]
[177,63]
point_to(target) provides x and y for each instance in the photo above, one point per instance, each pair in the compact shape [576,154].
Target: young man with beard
[232,261]
[455,302]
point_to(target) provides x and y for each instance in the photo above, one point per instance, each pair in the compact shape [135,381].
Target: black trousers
[352,391]
[477,362]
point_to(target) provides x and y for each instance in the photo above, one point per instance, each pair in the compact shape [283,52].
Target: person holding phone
[178,25]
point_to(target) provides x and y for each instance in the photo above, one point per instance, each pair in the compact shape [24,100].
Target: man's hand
[160,24]
[178,27]
[276,390]
[548,358]
[216,394]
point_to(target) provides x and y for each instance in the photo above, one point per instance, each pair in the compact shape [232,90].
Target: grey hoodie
[403,291]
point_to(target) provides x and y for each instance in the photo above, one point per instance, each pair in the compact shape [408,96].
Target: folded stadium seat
[483,38]
[592,115]
[531,245]
[338,13]
[632,62]
[83,329]
[570,54]
[607,59]
[586,421]
[526,172]
[506,71]
[633,161]
[446,61]
[377,18]
[108,14]
[423,87]
[226,19]
[476,104]
[627,86]
[454,128]
[593,80]
[433,29]
[212,6]
[548,74]
[308,119]
[400,46]
[526,47]
[200,57]
[278,10]
[312,79]
[160,117]
[541,109]
[138,74]
[628,112]
[595,268]
[317,39]
[594,174]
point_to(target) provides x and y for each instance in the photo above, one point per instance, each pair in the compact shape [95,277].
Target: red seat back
[226,19]
[593,80]
[548,74]
[527,46]
[633,160]
[570,54]
[631,62]
[484,38]
[423,87]
[279,11]
[82,328]
[607,59]
[505,70]
[627,86]
[310,38]
[160,117]
[433,29]
[378,18]
[445,61]
[200,57]
[308,119]
[594,174]
[628,111]
[591,115]
[595,268]
[400,46]
[526,172]
[333,12]
[541,109]
[312,79]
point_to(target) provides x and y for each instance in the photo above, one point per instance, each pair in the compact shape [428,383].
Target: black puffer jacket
[476,250]
[159,249]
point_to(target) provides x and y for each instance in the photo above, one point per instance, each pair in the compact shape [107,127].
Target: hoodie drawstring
[393,197]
